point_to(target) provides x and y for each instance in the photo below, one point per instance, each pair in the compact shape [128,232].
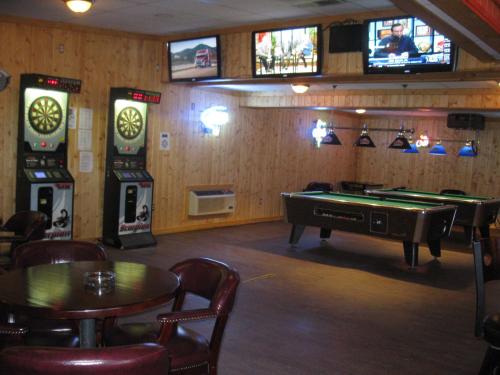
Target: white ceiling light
[299,88]
[79,6]
[360,111]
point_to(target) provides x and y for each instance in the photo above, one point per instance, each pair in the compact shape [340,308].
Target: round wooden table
[58,291]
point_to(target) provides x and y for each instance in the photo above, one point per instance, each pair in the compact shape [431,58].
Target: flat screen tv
[405,44]
[287,52]
[194,59]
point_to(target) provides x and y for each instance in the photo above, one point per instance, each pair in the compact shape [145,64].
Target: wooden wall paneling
[467,62]
[174,116]
[480,99]
[262,152]
[236,55]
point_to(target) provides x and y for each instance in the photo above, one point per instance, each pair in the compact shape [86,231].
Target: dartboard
[129,123]
[45,115]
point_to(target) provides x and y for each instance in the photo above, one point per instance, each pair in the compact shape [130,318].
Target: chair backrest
[319,186]
[214,281]
[28,224]
[150,359]
[487,268]
[11,334]
[207,278]
[452,191]
[56,251]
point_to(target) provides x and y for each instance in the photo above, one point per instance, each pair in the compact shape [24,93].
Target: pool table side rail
[404,204]
[304,210]
[430,195]
[473,212]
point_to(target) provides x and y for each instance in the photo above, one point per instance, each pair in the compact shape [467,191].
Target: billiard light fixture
[400,143]
[364,139]
[300,88]
[331,138]
[324,133]
[438,149]
[79,6]
[413,147]
[469,150]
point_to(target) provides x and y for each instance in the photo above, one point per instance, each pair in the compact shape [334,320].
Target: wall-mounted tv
[194,59]
[405,44]
[287,52]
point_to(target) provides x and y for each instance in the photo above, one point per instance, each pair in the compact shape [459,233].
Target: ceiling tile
[163,17]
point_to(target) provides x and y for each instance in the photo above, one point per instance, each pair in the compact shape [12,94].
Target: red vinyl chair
[190,352]
[48,332]
[12,334]
[26,226]
[146,359]
[56,251]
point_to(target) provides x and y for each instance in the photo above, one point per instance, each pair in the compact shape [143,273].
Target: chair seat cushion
[491,328]
[186,347]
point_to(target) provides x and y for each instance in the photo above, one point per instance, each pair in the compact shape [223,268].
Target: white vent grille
[211,202]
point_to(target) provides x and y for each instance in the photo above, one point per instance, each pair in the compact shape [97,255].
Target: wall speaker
[346,38]
[4,79]
[472,121]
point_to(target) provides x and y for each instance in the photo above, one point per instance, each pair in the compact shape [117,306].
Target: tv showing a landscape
[194,59]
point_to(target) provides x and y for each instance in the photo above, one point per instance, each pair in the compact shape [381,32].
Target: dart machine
[128,189]
[43,180]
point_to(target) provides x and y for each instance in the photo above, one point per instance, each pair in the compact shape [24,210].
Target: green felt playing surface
[437,196]
[364,199]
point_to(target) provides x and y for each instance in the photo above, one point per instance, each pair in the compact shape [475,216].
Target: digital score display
[65,84]
[145,96]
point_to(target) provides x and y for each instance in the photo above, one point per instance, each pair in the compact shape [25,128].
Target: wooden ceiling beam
[461,13]
[463,76]
[464,16]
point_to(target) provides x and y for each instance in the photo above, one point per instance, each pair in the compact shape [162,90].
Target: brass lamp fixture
[364,139]
[325,134]
[79,6]
[400,143]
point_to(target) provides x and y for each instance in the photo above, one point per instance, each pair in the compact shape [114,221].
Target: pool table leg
[485,231]
[411,253]
[435,247]
[297,231]
[469,233]
[325,233]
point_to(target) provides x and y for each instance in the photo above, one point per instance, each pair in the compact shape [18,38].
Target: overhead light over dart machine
[43,180]
[128,189]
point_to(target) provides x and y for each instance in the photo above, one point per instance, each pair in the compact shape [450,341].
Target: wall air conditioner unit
[211,202]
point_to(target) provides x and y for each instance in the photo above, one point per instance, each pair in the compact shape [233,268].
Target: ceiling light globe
[79,6]
[300,88]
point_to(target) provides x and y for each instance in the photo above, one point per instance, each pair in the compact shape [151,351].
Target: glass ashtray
[100,282]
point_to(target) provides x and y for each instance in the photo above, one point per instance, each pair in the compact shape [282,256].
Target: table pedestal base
[87,333]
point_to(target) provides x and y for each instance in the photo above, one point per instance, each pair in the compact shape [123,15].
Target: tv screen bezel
[288,75]
[195,79]
[412,69]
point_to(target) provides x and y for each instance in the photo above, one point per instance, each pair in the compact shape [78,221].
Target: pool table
[472,212]
[411,222]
